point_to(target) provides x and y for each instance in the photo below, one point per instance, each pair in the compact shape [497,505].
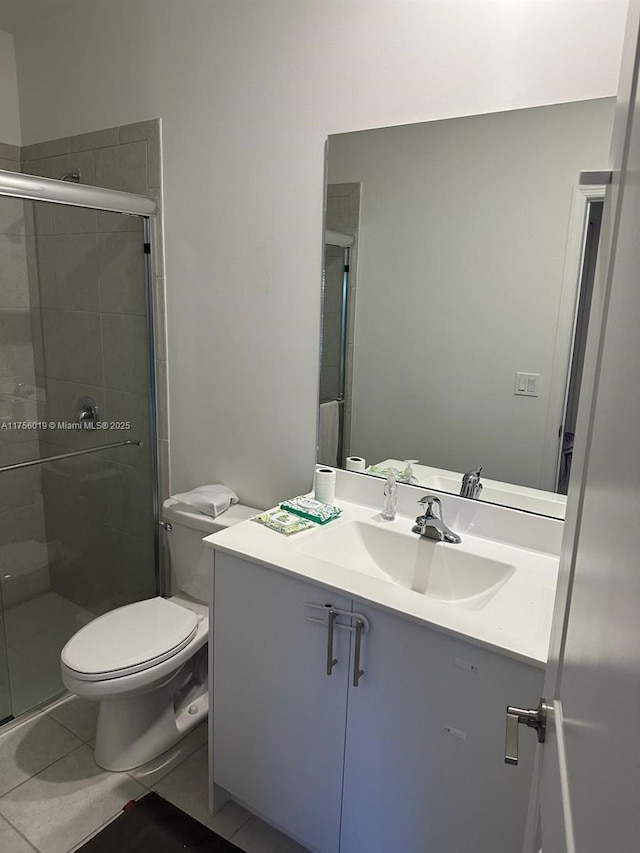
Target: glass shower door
[6,710]
[333,321]
[333,353]
[77,533]
[21,519]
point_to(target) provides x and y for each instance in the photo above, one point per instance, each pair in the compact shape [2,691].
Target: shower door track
[71,453]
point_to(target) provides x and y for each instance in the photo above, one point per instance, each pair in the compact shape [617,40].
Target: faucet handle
[475,472]
[435,529]
[427,503]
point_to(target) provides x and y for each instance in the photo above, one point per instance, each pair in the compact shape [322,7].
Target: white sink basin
[456,574]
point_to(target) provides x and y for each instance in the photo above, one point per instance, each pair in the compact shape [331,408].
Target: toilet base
[134,730]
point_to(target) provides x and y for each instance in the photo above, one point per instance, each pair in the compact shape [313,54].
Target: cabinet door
[424,769]
[278,719]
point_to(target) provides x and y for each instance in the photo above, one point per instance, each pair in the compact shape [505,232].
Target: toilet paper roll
[324,485]
[356,463]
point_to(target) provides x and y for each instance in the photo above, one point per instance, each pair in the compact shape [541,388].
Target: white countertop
[515,621]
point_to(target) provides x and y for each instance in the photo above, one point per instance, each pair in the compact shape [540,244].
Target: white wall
[248,92]
[9,111]
[461,254]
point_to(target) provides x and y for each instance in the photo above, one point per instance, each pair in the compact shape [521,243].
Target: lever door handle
[535,718]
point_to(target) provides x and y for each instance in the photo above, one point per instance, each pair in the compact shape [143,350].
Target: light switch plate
[527,384]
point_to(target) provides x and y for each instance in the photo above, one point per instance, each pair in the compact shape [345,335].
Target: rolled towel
[210,500]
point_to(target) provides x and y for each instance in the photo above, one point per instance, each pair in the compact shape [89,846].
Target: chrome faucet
[471,485]
[430,524]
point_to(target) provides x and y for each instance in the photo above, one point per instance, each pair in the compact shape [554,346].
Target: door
[278,718]
[423,752]
[586,792]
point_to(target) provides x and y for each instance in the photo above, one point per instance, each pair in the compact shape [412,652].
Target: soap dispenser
[390,502]
[408,475]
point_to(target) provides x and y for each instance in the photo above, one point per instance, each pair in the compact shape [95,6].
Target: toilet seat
[129,639]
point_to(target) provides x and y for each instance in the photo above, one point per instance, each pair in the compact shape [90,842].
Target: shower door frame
[37,189]
[346,243]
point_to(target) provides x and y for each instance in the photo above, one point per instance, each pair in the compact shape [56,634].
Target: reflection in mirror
[459,259]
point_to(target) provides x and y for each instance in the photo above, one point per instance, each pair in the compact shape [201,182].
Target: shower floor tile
[32,683]
[43,611]
[36,631]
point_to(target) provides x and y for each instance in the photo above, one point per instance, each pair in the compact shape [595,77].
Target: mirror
[456,289]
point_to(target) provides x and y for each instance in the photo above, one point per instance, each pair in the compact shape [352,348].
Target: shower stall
[334,369]
[78,478]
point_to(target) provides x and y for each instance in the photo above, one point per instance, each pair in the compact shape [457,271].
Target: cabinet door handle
[357,672]
[332,613]
[331,661]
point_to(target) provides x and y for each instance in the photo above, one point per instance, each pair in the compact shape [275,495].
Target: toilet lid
[130,639]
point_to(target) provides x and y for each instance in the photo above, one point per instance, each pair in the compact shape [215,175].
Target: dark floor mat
[153,825]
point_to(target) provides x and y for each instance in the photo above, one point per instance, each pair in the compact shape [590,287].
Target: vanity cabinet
[411,759]
[424,749]
[278,720]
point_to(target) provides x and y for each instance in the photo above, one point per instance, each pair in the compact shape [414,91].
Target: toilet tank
[190,559]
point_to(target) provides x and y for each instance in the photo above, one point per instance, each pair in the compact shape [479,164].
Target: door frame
[582,196]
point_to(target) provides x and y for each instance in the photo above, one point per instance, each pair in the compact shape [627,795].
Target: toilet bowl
[146,662]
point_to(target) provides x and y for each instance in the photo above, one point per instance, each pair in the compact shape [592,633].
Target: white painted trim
[36,188]
[565,330]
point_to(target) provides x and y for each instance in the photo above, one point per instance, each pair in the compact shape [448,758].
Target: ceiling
[17,15]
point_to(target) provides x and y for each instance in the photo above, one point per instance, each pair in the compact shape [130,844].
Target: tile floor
[53,796]
[35,631]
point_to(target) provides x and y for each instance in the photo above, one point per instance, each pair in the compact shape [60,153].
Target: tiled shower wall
[23,552]
[89,315]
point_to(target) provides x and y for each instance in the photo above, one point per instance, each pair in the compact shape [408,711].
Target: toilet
[146,663]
